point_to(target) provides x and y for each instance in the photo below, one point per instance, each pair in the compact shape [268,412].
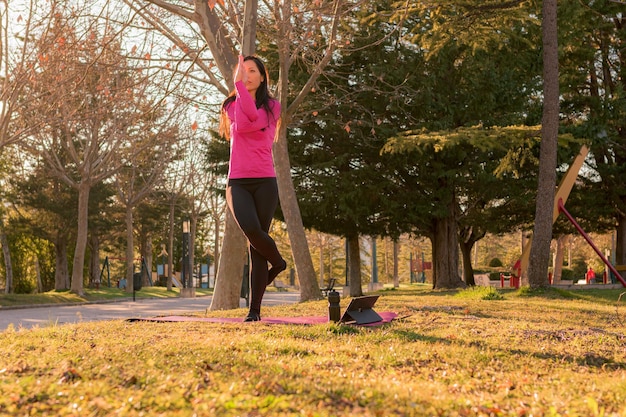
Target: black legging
[253,202]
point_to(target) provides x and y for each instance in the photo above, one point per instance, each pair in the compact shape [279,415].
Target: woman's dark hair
[263,96]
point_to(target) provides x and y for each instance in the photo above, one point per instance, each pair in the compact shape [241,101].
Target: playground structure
[106,266]
[588,239]
[563,191]
[203,278]
[419,267]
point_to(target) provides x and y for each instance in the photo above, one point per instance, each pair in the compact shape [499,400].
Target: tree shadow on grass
[413,336]
[589,359]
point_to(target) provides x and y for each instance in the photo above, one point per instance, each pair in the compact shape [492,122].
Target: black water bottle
[334,310]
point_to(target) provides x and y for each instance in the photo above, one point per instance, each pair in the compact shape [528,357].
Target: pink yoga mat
[387,316]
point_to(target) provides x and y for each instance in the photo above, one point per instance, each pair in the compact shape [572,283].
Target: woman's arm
[247,118]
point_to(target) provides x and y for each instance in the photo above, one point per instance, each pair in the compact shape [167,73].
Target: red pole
[588,239]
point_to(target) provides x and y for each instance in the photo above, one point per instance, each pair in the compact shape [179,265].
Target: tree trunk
[446,252]
[321,261]
[468,269]
[170,247]
[620,241]
[468,236]
[94,259]
[81,239]
[354,267]
[130,250]
[193,224]
[8,266]
[61,272]
[146,256]
[230,274]
[216,246]
[559,257]
[309,288]
[539,259]
[396,276]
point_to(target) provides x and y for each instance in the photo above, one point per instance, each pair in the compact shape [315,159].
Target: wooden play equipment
[562,192]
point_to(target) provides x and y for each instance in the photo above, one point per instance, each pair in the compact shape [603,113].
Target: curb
[25,306]
[117,300]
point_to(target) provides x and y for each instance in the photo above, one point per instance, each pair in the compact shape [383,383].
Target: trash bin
[137,281]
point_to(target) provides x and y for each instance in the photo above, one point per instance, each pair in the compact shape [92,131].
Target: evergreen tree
[420,182]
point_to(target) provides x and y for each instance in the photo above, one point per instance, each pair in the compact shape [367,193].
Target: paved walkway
[56,315]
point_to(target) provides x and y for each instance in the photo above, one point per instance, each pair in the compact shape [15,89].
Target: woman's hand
[240,72]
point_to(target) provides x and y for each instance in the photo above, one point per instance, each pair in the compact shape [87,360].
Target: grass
[91,295]
[449,353]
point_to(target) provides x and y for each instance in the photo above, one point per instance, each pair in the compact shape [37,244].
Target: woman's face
[254,76]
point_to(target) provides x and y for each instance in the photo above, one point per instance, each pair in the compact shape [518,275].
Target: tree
[50,205]
[312,20]
[15,49]
[215,166]
[142,172]
[542,235]
[436,169]
[14,55]
[82,97]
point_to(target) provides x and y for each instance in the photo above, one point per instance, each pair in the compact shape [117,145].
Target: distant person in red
[517,269]
[591,276]
[248,119]
[516,273]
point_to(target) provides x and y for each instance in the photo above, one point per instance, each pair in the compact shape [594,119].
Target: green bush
[23,286]
[494,276]
[567,274]
[495,263]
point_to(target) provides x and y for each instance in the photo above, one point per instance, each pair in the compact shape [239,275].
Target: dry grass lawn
[476,352]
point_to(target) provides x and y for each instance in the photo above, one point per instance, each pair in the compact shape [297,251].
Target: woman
[249,117]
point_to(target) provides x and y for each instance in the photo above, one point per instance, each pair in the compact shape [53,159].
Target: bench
[329,287]
[280,286]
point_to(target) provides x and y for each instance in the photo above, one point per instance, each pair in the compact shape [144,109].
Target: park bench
[329,287]
[280,286]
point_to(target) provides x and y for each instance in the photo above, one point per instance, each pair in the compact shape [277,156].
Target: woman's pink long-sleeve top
[252,133]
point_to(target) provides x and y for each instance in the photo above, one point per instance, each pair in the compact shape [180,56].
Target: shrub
[23,286]
[567,274]
[495,263]
[494,276]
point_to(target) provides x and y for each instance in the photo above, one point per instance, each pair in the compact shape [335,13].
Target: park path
[29,317]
